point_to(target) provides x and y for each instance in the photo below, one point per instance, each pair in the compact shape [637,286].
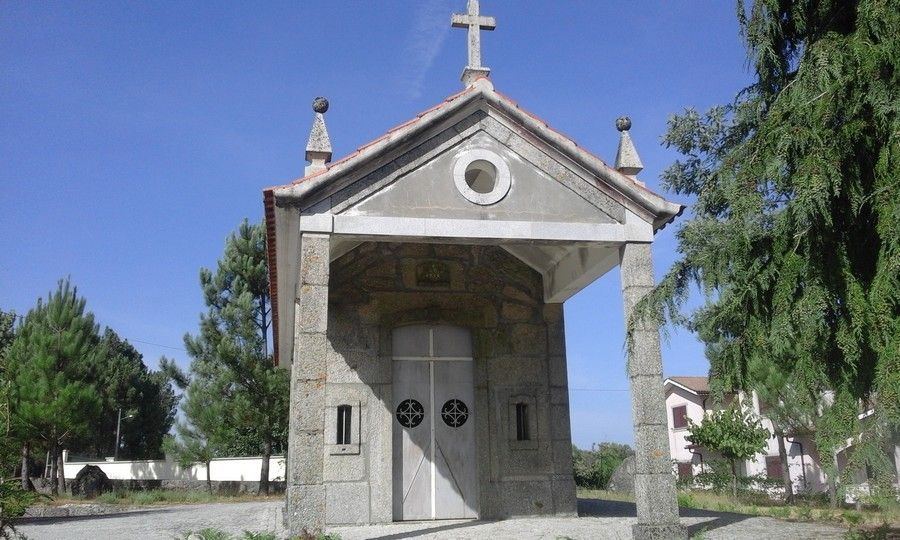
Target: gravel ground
[600,519]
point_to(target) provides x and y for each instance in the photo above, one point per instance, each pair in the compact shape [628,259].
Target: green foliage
[201,438]
[686,500]
[231,367]
[878,533]
[733,433]
[49,363]
[796,207]
[14,501]
[146,399]
[594,468]
[8,446]
[717,478]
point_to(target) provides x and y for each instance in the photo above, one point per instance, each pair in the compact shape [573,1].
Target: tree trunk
[61,471]
[785,470]
[265,333]
[734,479]
[208,478]
[264,469]
[54,479]
[25,467]
[832,483]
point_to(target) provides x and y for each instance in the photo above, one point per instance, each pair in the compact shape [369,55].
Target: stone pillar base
[305,509]
[659,531]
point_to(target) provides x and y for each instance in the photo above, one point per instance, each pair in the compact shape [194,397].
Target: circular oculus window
[481,176]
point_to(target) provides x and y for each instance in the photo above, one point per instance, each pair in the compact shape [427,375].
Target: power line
[599,390]
[157,345]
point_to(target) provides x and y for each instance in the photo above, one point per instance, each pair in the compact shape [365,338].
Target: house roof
[695,385]
[316,186]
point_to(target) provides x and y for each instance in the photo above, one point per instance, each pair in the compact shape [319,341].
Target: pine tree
[794,235]
[7,442]
[49,360]
[145,397]
[203,435]
[231,351]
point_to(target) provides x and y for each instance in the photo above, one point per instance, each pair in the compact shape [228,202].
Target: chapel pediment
[413,171]
[462,181]
[476,168]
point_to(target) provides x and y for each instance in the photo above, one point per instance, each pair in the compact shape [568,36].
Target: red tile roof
[269,193]
[697,384]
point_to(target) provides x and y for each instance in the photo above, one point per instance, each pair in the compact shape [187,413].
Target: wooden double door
[434,460]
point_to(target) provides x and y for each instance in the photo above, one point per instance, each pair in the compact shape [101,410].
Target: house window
[679,417]
[522,433]
[344,421]
[685,472]
[773,467]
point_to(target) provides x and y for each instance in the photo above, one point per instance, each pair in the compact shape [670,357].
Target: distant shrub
[593,468]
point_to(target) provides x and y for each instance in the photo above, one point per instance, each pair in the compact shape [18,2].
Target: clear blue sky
[135,136]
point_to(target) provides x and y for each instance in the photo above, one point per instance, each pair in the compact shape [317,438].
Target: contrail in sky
[431,25]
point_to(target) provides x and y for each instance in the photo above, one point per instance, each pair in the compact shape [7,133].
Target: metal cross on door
[434,425]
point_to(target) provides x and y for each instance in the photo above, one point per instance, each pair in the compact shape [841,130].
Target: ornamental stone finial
[318,147]
[320,105]
[627,160]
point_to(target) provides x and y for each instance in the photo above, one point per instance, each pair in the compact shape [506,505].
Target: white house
[689,398]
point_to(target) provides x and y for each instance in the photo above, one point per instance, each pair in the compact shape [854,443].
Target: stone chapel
[417,291]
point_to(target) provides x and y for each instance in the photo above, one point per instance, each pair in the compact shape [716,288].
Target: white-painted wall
[676,397]
[242,469]
[802,456]
[806,471]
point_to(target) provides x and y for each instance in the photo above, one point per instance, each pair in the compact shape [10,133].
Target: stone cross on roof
[475,23]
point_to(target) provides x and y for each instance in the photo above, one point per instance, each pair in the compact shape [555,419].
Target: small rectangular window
[685,472]
[522,422]
[344,417]
[773,467]
[679,417]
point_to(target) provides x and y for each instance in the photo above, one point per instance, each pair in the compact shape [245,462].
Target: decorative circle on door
[410,413]
[455,413]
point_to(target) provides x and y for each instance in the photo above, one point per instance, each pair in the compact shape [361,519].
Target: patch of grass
[249,535]
[686,500]
[699,535]
[585,493]
[878,533]
[810,508]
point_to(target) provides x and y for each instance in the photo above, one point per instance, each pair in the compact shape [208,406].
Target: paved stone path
[600,520]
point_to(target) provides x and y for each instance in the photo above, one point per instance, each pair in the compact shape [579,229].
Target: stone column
[654,483]
[305,491]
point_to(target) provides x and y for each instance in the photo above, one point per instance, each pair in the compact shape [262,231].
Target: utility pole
[118,432]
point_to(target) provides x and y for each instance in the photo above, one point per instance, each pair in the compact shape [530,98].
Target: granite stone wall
[519,357]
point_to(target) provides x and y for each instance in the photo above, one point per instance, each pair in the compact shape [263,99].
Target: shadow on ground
[594,508]
[50,520]
[430,530]
[603,508]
